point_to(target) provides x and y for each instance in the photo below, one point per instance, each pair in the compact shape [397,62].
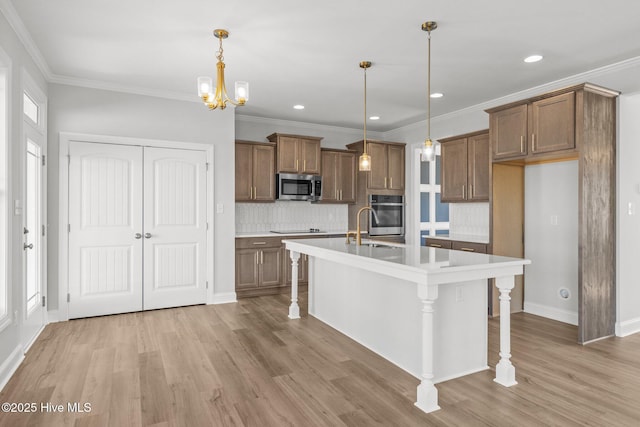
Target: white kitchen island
[423,309]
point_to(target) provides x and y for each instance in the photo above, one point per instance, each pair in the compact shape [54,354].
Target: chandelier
[428,150]
[216,97]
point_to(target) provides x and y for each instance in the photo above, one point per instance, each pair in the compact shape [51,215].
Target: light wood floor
[246,364]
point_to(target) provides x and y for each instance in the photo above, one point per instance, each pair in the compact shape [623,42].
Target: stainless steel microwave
[298,187]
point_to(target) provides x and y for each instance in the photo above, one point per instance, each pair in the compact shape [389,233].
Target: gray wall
[100,112]
[628,223]
[551,239]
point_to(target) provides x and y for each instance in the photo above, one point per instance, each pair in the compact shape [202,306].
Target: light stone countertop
[408,262]
[289,234]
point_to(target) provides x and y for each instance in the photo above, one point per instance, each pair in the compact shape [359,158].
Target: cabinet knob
[147,235]
[29,246]
[138,236]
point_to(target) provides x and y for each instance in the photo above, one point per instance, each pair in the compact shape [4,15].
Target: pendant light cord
[429,87]
[365,110]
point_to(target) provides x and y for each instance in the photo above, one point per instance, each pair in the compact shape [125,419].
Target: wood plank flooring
[247,364]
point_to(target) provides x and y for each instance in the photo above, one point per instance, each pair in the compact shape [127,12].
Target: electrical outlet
[631,209]
[219,208]
[554,219]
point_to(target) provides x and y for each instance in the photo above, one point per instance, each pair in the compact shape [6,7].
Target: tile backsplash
[286,215]
[469,219]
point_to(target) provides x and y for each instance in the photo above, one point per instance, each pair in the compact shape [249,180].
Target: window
[31,109]
[434,215]
[4,186]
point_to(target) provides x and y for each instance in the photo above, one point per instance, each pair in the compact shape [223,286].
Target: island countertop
[411,262]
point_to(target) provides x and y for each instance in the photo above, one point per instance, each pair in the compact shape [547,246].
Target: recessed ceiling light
[533,58]
[374,118]
[298,107]
[437,95]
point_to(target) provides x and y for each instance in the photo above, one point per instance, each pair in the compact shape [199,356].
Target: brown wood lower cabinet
[263,265]
[258,266]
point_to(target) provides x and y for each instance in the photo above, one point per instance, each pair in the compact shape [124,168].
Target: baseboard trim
[551,313]
[53,316]
[10,365]
[628,327]
[225,298]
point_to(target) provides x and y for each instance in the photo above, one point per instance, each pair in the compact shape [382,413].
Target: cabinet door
[479,163]
[288,154]
[454,170]
[309,158]
[244,182]
[271,266]
[247,268]
[395,167]
[329,179]
[346,172]
[377,179]
[508,132]
[553,123]
[264,177]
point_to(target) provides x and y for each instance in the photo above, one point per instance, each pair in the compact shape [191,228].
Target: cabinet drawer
[258,242]
[469,247]
[438,243]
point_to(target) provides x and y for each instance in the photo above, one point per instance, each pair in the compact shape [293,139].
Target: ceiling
[297,52]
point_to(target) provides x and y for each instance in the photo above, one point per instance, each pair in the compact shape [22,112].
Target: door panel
[34,312]
[105,213]
[174,227]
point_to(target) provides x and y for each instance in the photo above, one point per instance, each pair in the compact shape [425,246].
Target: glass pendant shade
[428,153]
[365,162]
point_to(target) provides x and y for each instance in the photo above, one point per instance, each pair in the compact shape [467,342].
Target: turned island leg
[427,393]
[505,371]
[294,308]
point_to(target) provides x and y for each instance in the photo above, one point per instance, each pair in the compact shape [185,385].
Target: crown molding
[10,13]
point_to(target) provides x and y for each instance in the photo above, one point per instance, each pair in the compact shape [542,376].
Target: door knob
[138,236]
[29,246]
[147,235]
[25,230]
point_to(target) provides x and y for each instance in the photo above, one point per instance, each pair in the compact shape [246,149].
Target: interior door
[174,227]
[33,289]
[105,229]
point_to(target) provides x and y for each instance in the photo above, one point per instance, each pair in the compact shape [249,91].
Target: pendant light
[428,152]
[365,160]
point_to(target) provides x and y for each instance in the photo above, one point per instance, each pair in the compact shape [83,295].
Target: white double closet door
[137,228]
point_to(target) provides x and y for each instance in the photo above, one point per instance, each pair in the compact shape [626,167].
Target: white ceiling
[303,52]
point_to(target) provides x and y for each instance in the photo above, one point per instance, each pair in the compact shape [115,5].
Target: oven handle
[387,204]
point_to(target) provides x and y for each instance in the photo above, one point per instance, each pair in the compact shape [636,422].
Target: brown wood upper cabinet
[387,166]
[255,172]
[297,153]
[534,128]
[465,172]
[338,176]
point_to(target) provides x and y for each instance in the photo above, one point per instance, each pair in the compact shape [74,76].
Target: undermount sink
[378,244]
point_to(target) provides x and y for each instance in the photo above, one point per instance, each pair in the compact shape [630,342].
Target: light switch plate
[219,208]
